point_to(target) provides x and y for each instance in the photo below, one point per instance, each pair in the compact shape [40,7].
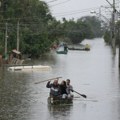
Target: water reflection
[48,59]
[60,111]
[13,96]
[2,73]
[115,109]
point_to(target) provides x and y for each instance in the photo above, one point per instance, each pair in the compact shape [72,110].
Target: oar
[47,80]
[80,94]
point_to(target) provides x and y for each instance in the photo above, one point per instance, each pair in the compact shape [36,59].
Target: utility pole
[18,37]
[6,36]
[100,13]
[119,46]
[113,35]
[113,29]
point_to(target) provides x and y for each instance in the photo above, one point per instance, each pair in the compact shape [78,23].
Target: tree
[95,25]
[33,16]
[77,31]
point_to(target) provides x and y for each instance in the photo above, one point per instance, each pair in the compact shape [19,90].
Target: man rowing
[54,88]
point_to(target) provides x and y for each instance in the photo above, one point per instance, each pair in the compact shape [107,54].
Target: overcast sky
[75,8]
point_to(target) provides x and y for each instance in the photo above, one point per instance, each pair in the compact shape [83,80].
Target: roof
[15,51]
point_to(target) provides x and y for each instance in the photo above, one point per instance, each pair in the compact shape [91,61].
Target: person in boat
[69,88]
[87,47]
[54,88]
[65,47]
[63,87]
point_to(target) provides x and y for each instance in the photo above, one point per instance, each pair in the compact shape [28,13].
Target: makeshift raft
[59,101]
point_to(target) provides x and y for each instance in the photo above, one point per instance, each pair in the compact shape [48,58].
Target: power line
[74,12]
[52,1]
[60,3]
[58,14]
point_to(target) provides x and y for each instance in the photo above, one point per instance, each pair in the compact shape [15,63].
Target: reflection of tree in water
[60,110]
[48,58]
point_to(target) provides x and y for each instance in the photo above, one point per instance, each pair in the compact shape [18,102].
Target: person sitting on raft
[69,88]
[54,88]
[63,92]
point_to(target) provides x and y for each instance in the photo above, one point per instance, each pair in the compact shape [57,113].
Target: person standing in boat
[63,88]
[69,88]
[65,47]
[54,88]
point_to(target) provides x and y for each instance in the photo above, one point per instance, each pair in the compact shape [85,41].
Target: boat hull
[81,49]
[59,101]
[61,52]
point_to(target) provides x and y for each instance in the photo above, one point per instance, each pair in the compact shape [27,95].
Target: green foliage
[74,32]
[33,17]
[107,37]
[108,34]
[36,44]
[95,24]
[1,42]
[118,33]
[38,30]
[79,30]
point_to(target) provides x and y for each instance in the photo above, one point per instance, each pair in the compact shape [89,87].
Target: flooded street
[94,73]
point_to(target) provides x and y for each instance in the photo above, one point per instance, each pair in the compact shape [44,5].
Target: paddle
[47,80]
[80,94]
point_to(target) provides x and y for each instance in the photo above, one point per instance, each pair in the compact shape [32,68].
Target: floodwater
[94,73]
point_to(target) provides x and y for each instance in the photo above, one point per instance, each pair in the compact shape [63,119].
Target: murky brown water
[94,73]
